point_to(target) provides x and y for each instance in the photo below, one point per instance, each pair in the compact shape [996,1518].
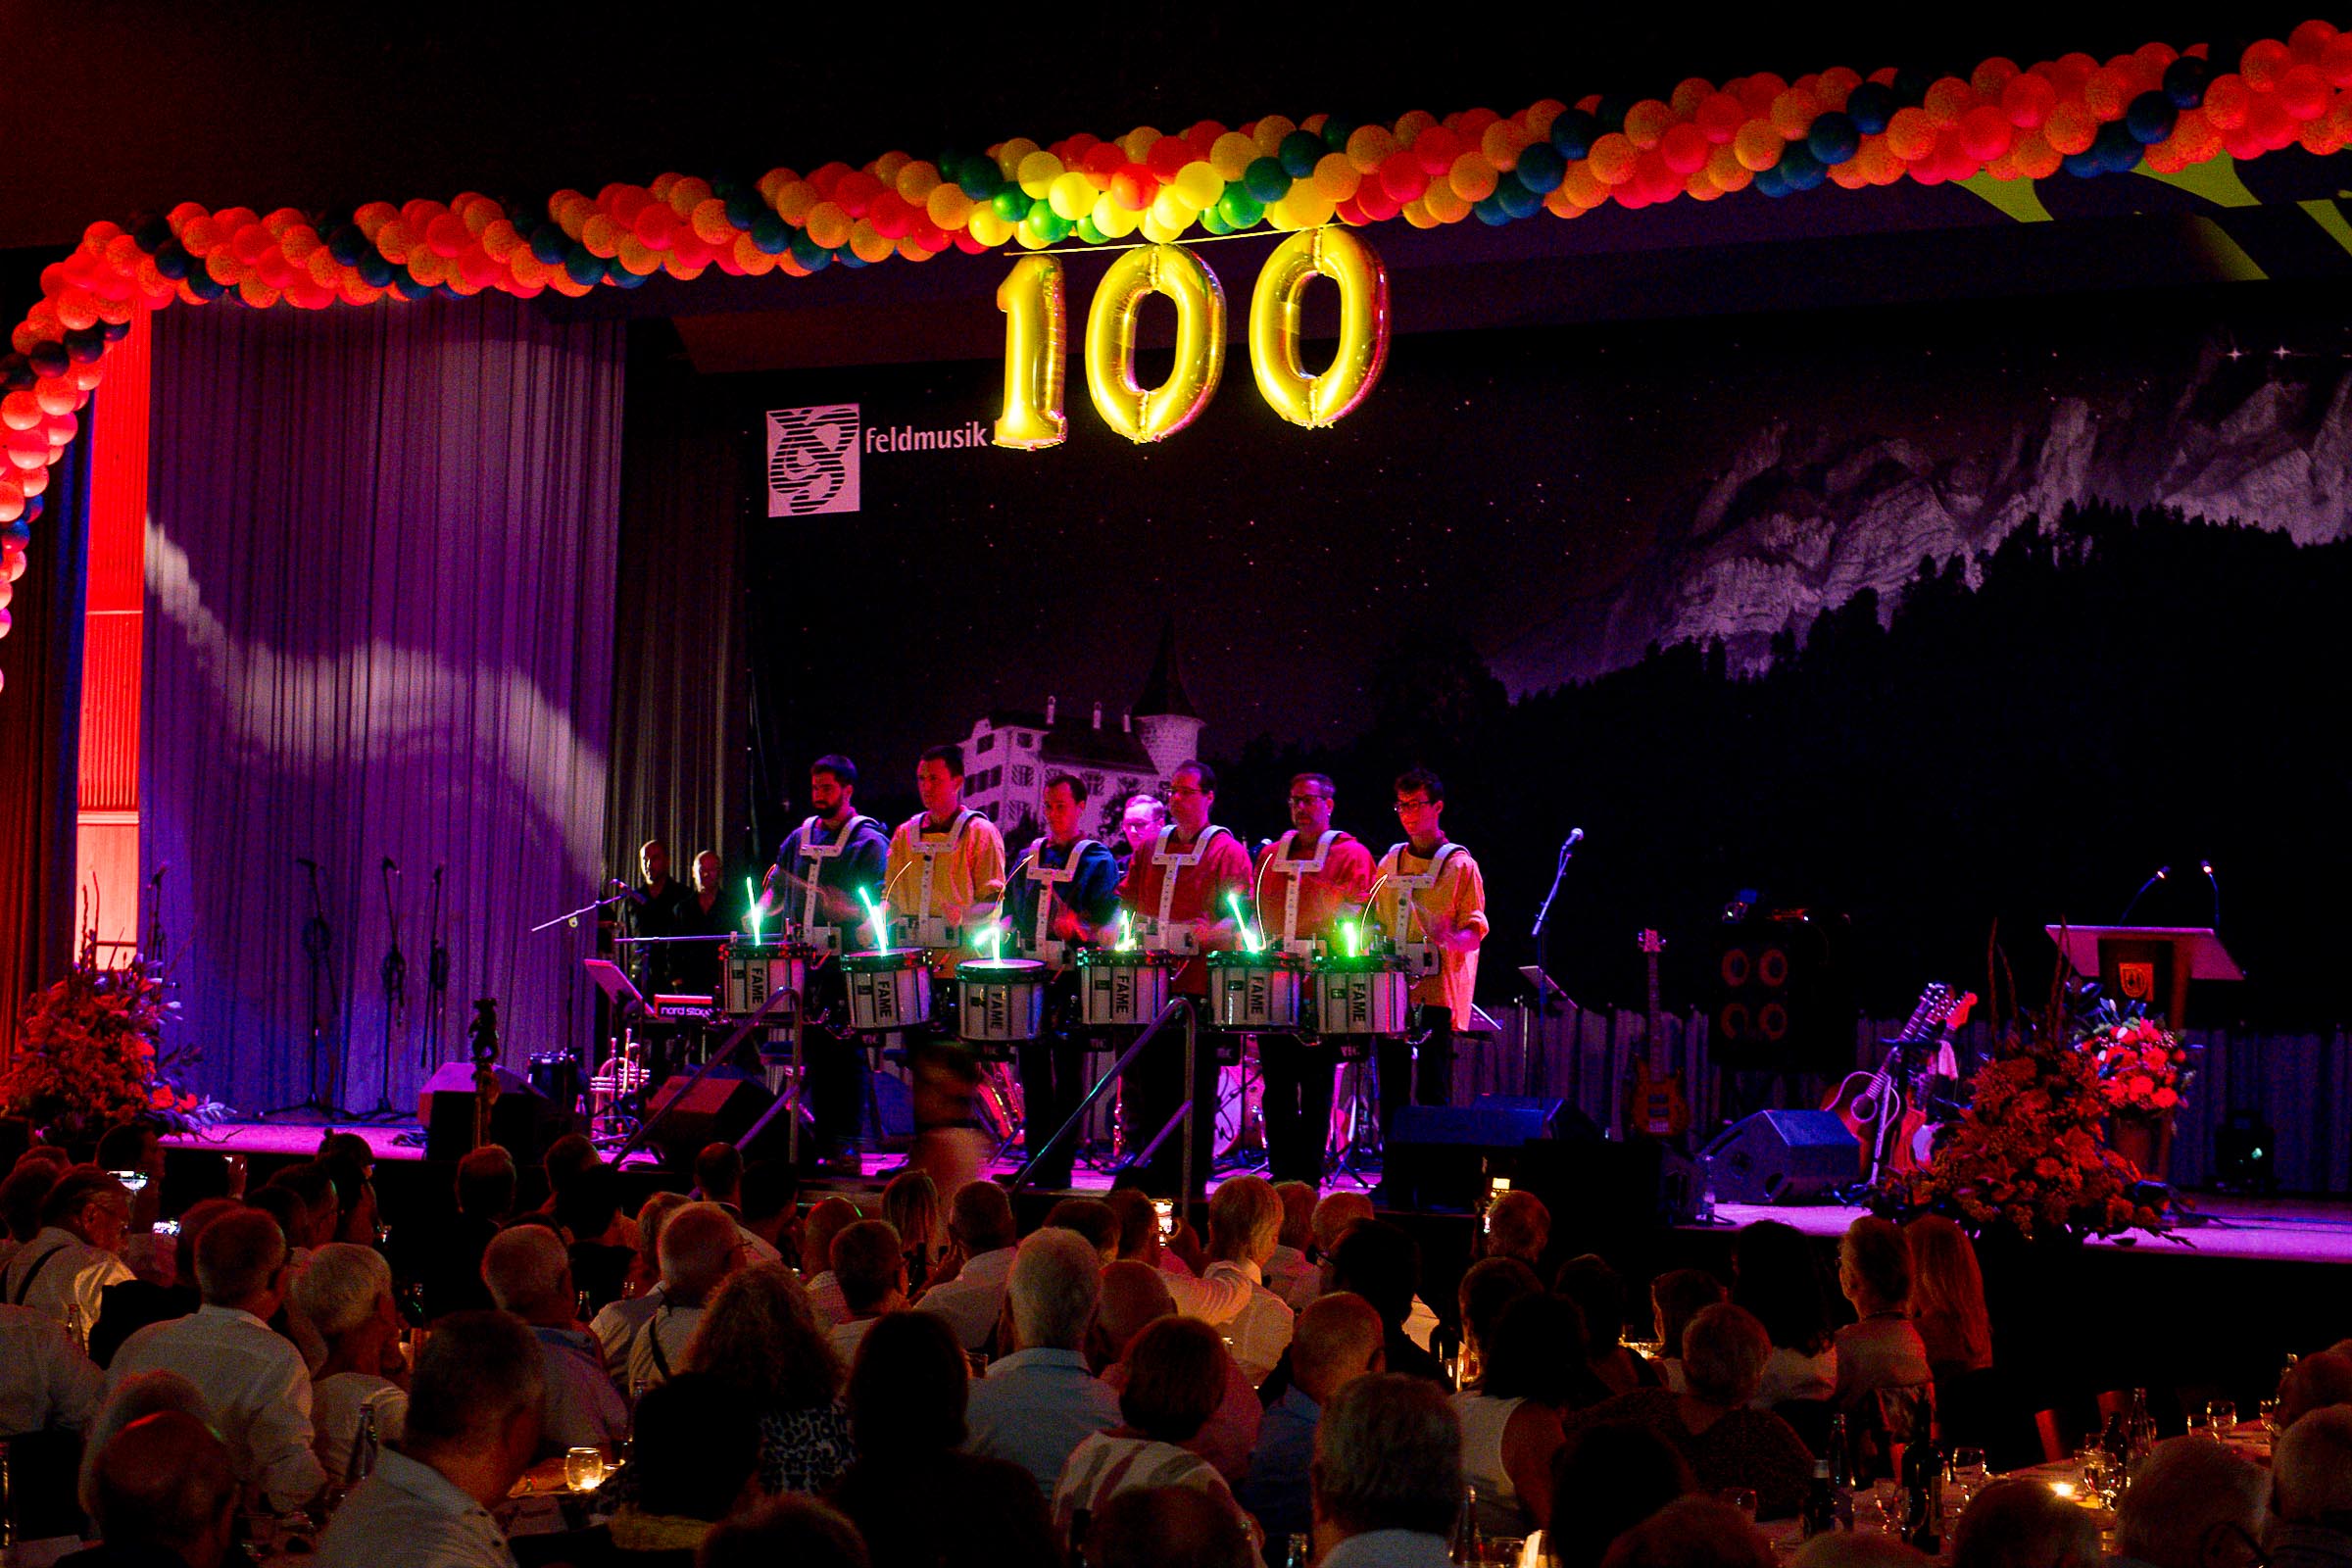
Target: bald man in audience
[1037,1403]
[1168,1527]
[699,1248]
[1519,1226]
[615,1326]
[828,1219]
[2020,1521]
[528,1271]
[980,1226]
[2192,1503]
[165,1494]
[1091,1218]
[2311,1492]
[1337,1340]
[253,1379]
[1388,1475]
[2314,1383]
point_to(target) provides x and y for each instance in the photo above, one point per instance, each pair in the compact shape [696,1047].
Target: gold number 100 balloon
[1035,339]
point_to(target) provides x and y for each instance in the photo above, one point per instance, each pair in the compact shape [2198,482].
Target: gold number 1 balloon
[1036,347]
[1274,309]
[1155,414]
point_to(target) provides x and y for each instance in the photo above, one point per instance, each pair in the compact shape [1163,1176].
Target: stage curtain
[679,679]
[40,728]
[379,626]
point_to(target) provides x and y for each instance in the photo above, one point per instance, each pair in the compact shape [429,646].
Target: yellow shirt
[1456,895]
[941,885]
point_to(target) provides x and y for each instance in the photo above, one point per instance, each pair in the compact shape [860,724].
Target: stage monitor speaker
[1779,997]
[1782,1156]
[719,1109]
[523,1120]
[1439,1157]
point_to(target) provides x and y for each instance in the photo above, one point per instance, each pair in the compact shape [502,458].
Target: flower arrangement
[2142,1066]
[90,1054]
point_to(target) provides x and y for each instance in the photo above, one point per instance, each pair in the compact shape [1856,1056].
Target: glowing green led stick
[874,913]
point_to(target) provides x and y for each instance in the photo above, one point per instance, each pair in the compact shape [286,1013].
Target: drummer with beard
[1308,881]
[1182,887]
[1065,894]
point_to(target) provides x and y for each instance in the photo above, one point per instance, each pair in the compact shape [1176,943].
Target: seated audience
[1133,1298]
[528,1270]
[1675,1296]
[1244,1221]
[1606,1478]
[142,1393]
[1381,1263]
[63,1270]
[2314,1383]
[1167,1527]
[132,1305]
[46,1378]
[827,1220]
[1774,1276]
[357,1214]
[1037,1403]
[699,1248]
[163,1496]
[718,1176]
[787,1528]
[760,1333]
[1176,1369]
[616,1324]
[1337,1340]
[309,1181]
[1882,1350]
[771,1204]
[1846,1549]
[253,1379]
[1177,1252]
[21,1195]
[1947,1297]
[911,1203]
[2020,1523]
[1599,1293]
[1290,1270]
[1388,1477]
[2192,1503]
[692,1459]
[587,1210]
[2311,1492]
[346,1294]
[1092,1219]
[980,1240]
[1519,1226]
[1692,1532]
[1726,1440]
[448,1261]
[1488,1287]
[473,1425]
[1536,1370]
[870,1263]
[919,1500]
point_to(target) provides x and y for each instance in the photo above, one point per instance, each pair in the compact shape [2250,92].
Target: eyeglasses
[1175,790]
[1404,807]
[1308,799]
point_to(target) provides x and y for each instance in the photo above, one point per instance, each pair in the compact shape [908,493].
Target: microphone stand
[395,973]
[436,982]
[2162,873]
[318,942]
[1544,982]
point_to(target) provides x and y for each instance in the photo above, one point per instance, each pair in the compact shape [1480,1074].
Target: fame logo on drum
[812,458]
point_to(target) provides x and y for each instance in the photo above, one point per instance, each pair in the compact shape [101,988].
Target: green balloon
[1088,232]
[1266,179]
[1239,208]
[1011,204]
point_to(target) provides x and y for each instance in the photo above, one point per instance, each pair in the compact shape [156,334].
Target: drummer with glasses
[1063,894]
[1181,890]
[1308,880]
[1430,900]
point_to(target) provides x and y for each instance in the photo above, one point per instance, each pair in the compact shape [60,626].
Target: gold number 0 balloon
[1274,309]
[1155,414]
[1036,347]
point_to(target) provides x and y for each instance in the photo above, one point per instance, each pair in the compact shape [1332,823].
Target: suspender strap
[25,1285]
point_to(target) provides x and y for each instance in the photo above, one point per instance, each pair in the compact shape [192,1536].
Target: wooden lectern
[2146,963]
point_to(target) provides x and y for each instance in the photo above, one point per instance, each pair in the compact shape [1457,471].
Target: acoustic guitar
[1656,1107]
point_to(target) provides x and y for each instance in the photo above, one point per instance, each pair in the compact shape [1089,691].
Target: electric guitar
[1656,1107]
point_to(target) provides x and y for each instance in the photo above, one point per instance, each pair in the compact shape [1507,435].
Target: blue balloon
[2086,165]
[85,345]
[744,209]
[1267,180]
[49,358]
[1516,200]
[1870,106]
[849,258]
[1834,139]
[2117,149]
[1490,210]
[1799,169]
[35,506]
[978,179]
[549,245]
[583,264]
[2184,82]
[19,531]
[174,261]
[1300,152]
[771,234]
[622,277]
[1574,133]
[202,284]
[1772,183]
[1541,168]
[346,244]
[373,269]
[2151,118]
[152,235]
[810,254]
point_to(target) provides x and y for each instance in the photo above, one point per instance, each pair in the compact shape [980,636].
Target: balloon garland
[2155,108]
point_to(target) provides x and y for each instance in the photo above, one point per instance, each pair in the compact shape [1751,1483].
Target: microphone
[2162,873]
[304,860]
[633,896]
[2205,867]
[1576,836]
[156,880]
[391,865]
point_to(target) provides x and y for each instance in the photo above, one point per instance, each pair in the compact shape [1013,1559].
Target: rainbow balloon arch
[2157,109]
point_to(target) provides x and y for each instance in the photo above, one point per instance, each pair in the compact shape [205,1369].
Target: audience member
[47,1380]
[1842,1549]
[1167,1527]
[254,1381]
[771,1203]
[1519,1226]
[1774,1276]
[718,1176]
[699,1248]
[2192,1503]
[357,1215]
[1388,1475]
[1728,1441]
[971,1294]
[1381,1263]
[163,1496]
[1536,1370]
[1174,1250]
[870,1265]
[1337,1338]
[1692,1532]
[132,1305]
[1947,1297]
[1598,1291]
[1091,1218]
[142,1393]
[528,1271]
[827,1220]
[1176,1369]
[2020,1523]
[759,1331]
[692,1459]
[800,1531]
[588,1212]
[450,1263]
[2314,1383]
[1335,1216]
[62,1271]
[1041,1401]
[919,1500]
[1134,1298]
[1882,1350]
[309,1181]
[570,1159]
[1488,1287]
[1291,1271]
[473,1425]
[1675,1296]
[1606,1479]
[21,1195]
[616,1324]
[346,1294]
[2311,1492]
[911,1203]
[1245,1222]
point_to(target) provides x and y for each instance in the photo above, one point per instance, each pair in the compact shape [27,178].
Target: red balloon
[1133,186]
[1985,131]
[2029,99]
[1104,160]
[655,226]
[1719,116]
[1684,148]
[890,215]
[1436,149]
[1168,155]
[251,243]
[447,236]
[1402,176]
[855,193]
[2303,92]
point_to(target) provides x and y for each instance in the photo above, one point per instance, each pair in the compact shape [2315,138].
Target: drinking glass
[1744,1498]
[1886,1495]
[2222,1416]
[583,1468]
[1968,1474]
[2269,1416]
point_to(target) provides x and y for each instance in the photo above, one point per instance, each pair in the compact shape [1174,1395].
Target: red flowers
[2142,1066]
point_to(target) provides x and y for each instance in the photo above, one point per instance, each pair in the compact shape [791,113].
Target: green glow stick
[1348,935]
[753,899]
[1233,902]
[1126,932]
[874,913]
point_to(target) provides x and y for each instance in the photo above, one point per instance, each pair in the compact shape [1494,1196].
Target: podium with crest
[2151,964]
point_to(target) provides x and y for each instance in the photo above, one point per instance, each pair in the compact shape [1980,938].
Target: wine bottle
[1819,1516]
[1841,1472]
[1922,1482]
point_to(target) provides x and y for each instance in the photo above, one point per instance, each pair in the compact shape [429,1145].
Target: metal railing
[1178,1009]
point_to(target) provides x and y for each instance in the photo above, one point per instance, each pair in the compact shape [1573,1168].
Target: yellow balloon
[1232,153]
[1072,195]
[1274,309]
[1038,173]
[1008,156]
[1171,209]
[1036,349]
[1200,184]
[986,226]
[1153,414]
[1116,221]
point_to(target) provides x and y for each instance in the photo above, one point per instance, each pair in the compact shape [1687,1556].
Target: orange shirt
[1304,889]
[1457,896]
[1170,882]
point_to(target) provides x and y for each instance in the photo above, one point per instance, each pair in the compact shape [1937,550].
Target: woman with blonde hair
[1947,1297]
[911,1202]
[760,1333]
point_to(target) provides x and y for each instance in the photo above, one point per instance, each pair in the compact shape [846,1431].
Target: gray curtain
[379,626]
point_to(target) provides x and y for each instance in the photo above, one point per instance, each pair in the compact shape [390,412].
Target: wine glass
[2270,1417]
[583,1468]
[1968,1475]
[2222,1416]
[1887,1495]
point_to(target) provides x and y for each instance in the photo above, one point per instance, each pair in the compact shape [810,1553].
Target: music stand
[2146,963]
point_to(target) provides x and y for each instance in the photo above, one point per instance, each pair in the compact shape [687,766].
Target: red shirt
[1343,880]
[1217,867]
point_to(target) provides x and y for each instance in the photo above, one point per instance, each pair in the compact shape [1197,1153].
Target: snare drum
[888,990]
[755,971]
[1000,999]
[1255,990]
[1366,993]
[1121,988]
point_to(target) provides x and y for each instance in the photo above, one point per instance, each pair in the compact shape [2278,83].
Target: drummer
[1429,893]
[1308,880]
[1065,894]
[1180,890]
[820,870]
[946,867]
